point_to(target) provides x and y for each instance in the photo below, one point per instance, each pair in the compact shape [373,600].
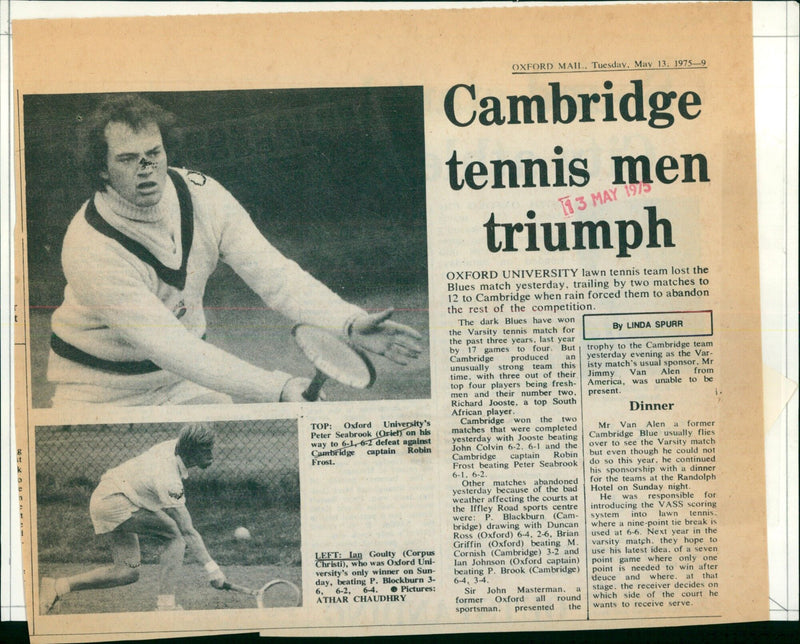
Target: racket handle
[315,386]
[237,588]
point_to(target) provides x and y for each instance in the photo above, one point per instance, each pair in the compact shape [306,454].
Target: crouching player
[144,496]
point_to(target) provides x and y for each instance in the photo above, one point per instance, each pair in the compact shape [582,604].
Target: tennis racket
[332,358]
[276,593]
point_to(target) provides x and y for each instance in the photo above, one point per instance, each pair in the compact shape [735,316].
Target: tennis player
[144,496]
[137,257]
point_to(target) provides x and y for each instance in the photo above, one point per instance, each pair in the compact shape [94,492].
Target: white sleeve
[279,281]
[120,296]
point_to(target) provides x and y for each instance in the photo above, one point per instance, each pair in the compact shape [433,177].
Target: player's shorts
[109,508]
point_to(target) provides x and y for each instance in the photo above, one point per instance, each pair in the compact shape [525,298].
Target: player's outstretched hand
[378,334]
[294,388]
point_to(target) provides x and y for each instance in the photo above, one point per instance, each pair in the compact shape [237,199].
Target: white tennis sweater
[121,305]
[152,480]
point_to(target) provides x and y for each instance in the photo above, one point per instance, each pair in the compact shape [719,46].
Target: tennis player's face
[136,162]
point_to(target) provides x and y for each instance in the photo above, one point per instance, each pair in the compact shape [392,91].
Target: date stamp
[570,204]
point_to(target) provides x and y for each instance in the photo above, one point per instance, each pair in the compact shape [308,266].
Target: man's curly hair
[132,109]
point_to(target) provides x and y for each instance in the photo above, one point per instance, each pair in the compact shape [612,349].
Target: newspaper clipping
[389,322]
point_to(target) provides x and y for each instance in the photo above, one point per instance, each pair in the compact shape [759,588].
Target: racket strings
[279,593]
[334,357]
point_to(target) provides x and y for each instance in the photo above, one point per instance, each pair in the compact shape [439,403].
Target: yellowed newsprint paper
[517,249]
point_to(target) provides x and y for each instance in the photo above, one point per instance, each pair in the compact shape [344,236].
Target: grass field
[194,591]
[66,534]
[239,322]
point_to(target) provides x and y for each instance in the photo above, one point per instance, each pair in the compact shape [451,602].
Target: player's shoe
[167,602]
[47,595]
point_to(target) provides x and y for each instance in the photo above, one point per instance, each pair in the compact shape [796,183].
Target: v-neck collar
[173,277]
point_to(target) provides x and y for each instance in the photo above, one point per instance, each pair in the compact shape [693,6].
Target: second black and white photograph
[226,246]
[168,516]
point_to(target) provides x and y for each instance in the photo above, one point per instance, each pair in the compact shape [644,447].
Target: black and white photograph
[175,239]
[168,517]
